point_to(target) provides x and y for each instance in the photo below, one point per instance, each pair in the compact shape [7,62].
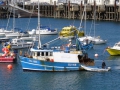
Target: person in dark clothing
[103,64]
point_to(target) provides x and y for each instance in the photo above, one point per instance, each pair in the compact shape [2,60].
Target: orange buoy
[9,66]
[96,55]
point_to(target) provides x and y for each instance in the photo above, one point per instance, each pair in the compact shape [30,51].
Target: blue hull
[37,65]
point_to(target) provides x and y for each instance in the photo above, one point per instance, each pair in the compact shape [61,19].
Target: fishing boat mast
[39,42]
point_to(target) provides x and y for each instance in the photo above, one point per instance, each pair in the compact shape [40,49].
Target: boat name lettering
[72,64]
[33,61]
[30,60]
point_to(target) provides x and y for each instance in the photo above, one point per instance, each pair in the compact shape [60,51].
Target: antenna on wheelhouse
[39,42]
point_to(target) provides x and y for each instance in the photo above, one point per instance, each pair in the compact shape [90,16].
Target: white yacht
[19,44]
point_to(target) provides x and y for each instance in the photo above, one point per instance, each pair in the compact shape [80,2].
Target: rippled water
[17,79]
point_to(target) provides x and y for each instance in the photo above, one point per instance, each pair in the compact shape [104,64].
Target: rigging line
[73,22]
[49,23]
[30,17]
[85,20]
[8,21]
[81,20]
[30,48]
[39,42]
[51,41]
[91,28]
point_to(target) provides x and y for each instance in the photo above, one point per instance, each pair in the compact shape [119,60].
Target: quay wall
[68,10]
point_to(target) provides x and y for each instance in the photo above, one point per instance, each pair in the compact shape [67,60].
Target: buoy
[9,66]
[96,55]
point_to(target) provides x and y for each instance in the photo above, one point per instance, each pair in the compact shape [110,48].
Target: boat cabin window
[46,53]
[33,54]
[38,53]
[51,54]
[42,53]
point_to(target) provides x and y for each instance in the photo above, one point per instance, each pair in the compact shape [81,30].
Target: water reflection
[113,58]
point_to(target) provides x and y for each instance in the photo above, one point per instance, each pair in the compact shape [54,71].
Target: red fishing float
[9,66]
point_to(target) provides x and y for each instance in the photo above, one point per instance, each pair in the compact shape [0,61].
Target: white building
[91,2]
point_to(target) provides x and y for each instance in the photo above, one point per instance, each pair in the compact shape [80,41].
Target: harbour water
[17,79]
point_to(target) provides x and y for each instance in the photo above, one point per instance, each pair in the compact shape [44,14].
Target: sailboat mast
[39,43]
[85,18]
[13,2]
[94,16]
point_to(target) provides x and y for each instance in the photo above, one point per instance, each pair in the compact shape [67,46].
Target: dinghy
[95,68]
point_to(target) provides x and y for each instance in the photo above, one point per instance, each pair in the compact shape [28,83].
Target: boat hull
[97,42]
[113,51]
[46,32]
[4,39]
[95,69]
[6,59]
[29,38]
[39,65]
[21,46]
[16,35]
[43,32]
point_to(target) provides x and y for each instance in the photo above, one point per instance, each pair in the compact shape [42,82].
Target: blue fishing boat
[57,59]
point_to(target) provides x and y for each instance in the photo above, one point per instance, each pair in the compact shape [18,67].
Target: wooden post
[115,10]
[54,9]
[69,14]
[81,10]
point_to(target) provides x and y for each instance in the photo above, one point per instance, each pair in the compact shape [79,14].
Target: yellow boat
[70,32]
[115,50]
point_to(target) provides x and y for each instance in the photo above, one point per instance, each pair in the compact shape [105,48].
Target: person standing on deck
[103,64]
